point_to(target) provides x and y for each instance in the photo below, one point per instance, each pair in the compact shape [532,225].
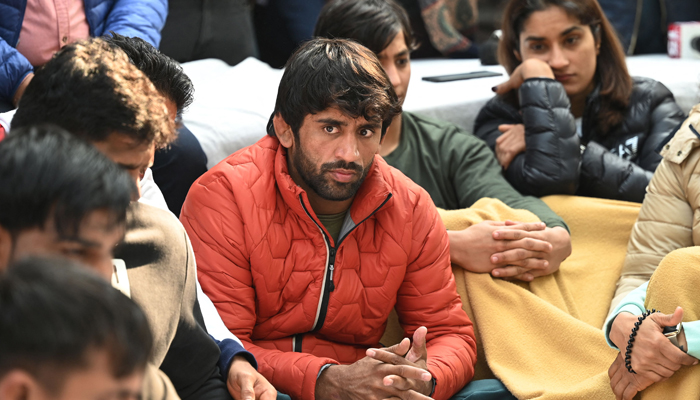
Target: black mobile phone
[457,77]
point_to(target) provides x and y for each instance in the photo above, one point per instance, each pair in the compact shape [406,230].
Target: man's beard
[323,185]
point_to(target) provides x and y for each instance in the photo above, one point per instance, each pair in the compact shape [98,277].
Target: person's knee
[677,277]
[679,265]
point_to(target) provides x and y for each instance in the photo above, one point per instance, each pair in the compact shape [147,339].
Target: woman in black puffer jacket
[570,120]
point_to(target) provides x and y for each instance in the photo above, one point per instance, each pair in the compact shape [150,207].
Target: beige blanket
[676,282]
[544,339]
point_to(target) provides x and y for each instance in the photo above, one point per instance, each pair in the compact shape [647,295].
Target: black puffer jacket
[618,165]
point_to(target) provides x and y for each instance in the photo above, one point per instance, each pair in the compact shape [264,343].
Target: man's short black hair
[47,172]
[92,90]
[55,314]
[334,72]
[373,23]
[165,73]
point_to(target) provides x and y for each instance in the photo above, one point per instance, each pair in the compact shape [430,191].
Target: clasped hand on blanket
[518,250]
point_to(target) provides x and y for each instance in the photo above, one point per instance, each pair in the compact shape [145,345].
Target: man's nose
[348,149]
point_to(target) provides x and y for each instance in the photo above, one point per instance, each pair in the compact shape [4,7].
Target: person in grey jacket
[570,120]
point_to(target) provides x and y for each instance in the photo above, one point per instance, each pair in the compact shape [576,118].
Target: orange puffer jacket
[297,299]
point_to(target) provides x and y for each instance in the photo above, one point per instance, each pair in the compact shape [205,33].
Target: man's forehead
[337,113]
[125,150]
[94,227]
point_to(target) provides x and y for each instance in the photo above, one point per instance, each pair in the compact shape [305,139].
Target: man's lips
[343,175]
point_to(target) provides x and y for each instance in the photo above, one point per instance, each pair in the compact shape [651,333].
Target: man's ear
[5,249]
[283,131]
[18,385]
[517,55]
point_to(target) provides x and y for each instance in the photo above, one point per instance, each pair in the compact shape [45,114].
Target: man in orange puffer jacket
[306,240]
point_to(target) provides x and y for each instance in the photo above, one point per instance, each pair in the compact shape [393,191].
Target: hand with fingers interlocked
[396,372]
[510,249]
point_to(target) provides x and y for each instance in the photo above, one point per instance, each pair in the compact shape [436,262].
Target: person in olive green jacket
[453,166]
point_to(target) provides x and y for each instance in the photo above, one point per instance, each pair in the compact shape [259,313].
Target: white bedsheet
[233,104]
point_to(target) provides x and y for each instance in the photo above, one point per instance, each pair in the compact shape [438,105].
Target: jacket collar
[371,196]
[685,139]
[590,110]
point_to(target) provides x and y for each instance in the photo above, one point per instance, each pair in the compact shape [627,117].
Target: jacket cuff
[553,223]
[633,304]
[311,375]
[542,92]
[692,336]
[230,349]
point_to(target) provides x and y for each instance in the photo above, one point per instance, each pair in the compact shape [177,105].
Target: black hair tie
[630,342]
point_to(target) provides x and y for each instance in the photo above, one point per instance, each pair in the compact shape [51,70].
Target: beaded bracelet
[630,342]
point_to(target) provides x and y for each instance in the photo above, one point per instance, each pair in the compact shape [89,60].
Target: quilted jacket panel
[617,165]
[263,260]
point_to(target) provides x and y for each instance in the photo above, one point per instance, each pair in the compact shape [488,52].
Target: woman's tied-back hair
[334,72]
[373,23]
[611,71]
[92,90]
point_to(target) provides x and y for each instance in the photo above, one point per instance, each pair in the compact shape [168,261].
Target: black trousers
[199,29]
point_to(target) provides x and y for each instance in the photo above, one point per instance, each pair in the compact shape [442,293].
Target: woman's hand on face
[531,68]
[510,143]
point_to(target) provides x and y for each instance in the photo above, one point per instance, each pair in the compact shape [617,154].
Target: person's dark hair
[47,172]
[165,73]
[611,72]
[92,90]
[55,314]
[372,23]
[334,72]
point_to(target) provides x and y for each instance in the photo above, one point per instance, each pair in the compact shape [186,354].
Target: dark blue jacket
[142,18]
[636,20]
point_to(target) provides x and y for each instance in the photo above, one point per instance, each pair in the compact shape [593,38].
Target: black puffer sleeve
[665,116]
[604,174]
[551,161]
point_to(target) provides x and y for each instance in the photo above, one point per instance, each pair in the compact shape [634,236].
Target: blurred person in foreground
[92,90]
[65,333]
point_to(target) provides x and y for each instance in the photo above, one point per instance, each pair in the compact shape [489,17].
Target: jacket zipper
[328,285]
[297,342]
